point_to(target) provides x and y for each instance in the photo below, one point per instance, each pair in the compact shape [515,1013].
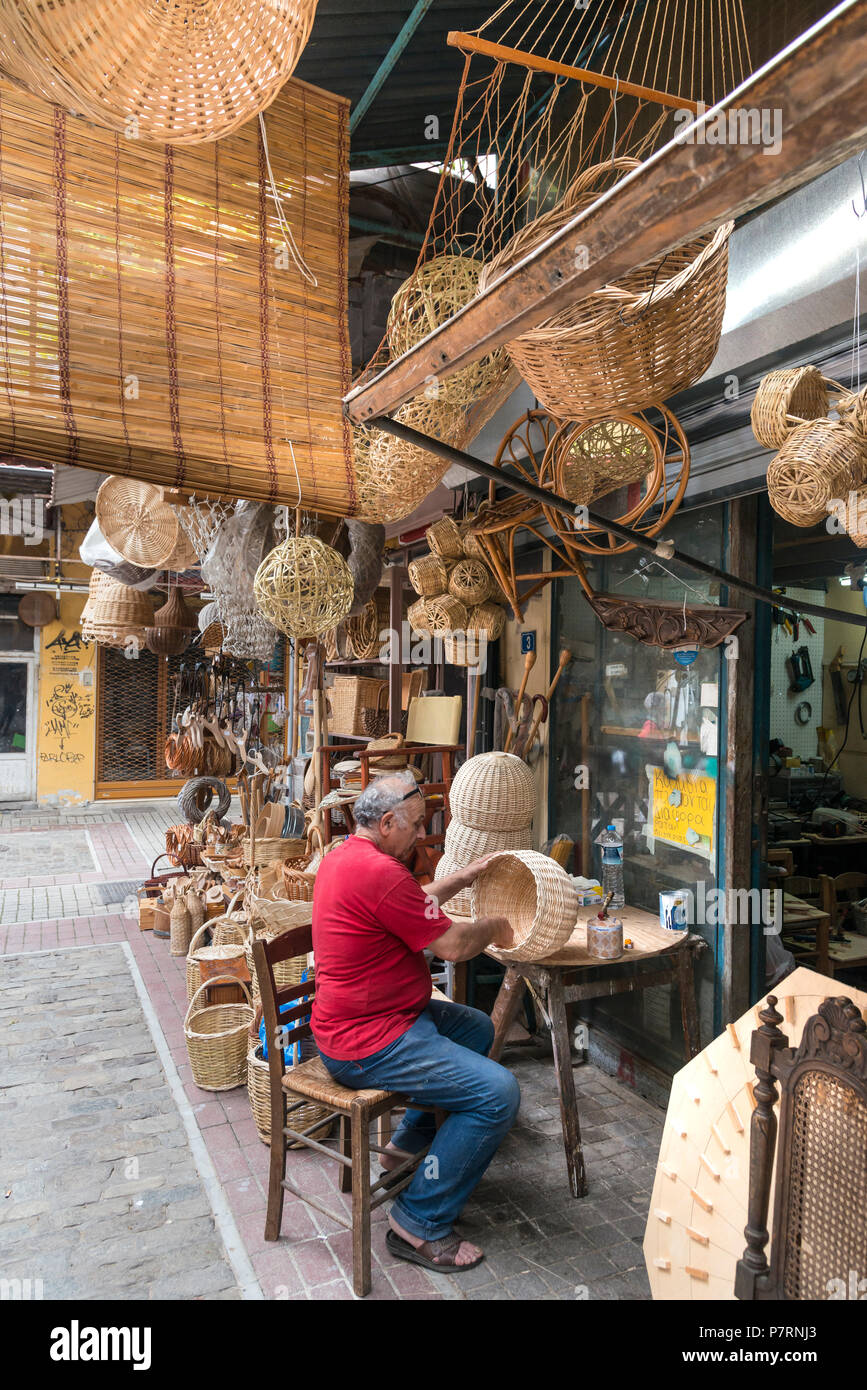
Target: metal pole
[660,548]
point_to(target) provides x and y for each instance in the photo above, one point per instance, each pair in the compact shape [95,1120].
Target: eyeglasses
[416,791]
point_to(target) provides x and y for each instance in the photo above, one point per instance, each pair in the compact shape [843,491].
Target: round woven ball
[493,791]
[798,392]
[428,575]
[431,295]
[536,897]
[604,456]
[303,587]
[471,582]
[821,460]
[175,73]
[135,520]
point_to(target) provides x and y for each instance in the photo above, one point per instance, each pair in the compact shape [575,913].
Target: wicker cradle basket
[787,398]
[821,460]
[652,333]
[429,575]
[216,1038]
[536,897]
[493,791]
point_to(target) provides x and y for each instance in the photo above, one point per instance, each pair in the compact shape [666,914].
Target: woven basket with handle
[225,949]
[787,398]
[536,897]
[633,342]
[216,1038]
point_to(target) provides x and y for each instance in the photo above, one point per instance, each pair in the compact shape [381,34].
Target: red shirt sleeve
[411,915]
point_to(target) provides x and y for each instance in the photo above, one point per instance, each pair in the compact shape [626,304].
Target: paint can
[604,937]
[675,909]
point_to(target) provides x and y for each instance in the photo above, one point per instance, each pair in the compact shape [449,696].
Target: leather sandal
[437,1255]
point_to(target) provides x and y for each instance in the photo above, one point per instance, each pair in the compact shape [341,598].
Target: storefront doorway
[17,727]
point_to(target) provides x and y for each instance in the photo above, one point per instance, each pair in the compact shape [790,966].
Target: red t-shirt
[371,923]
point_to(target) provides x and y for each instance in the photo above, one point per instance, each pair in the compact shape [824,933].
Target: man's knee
[504,1098]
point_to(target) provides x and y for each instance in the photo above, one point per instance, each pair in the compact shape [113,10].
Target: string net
[519,139]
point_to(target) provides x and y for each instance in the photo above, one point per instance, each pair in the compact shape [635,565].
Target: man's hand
[503,935]
[472,871]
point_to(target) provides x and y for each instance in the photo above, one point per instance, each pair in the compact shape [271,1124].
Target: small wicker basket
[417,618]
[429,575]
[821,460]
[445,538]
[786,398]
[216,1038]
[470,582]
[349,696]
[259,1091]
[536,897]
[445,614]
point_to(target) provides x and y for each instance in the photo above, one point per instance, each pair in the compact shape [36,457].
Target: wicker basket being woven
[537,898]
[216,1038]
[631,343]
[493,791]
[786,398]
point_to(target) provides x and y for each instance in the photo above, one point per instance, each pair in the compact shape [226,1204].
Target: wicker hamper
[216,1038]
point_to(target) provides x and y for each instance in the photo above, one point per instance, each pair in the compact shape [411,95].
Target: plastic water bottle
[612,865]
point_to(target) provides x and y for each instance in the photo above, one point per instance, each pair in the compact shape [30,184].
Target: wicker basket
[445,538]
[536,897]
[856,512]
[470,582]
[275,911]
[429,575]
[786,398]
[286,972]
[463,843]
[230,923]
[417,618]
[298,883]
[115,613]
[216,1037]
[461,905]
[632,343]
[136,522]
[374,722]
[180,929]
[489,618]
[605,455]
[272,849]
[362,632]
[259,1091]
[445,614]
[349,696]
[821,460]
[222,950]
[493,791]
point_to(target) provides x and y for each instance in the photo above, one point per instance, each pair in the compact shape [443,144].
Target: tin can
[605,938]
[675,909]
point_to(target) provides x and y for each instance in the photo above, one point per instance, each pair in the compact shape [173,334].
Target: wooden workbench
[554,984]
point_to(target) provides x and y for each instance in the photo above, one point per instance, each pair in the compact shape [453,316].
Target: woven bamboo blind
[154,323]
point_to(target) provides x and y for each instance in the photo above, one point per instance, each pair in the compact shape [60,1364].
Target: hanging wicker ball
[493,791]
[821,460]
[172,629]
[428,575]
[604,456]
[394,477]
[303,587]
[431,295]
[471,582]
[175,73]
[784,399]
[136,522]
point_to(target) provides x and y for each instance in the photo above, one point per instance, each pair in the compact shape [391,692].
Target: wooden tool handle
[529,663]
[565,658]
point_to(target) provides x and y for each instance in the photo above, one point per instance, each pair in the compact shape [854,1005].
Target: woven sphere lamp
[135,520]
[303,587]
[493,791]
[176,73]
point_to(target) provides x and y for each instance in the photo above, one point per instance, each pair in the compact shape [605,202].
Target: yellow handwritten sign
[683,809]
[67,707]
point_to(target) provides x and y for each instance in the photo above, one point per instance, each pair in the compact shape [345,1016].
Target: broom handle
[529,663]
[565,658]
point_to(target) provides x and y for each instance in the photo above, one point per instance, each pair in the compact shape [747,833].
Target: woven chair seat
[311,1079]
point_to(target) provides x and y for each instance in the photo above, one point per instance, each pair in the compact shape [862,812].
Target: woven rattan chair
[312,1082]
[820,1196]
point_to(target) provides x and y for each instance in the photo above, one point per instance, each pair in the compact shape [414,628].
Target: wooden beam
[817,87]
[468,43]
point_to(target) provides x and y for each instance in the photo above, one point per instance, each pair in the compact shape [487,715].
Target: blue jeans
[440,1061]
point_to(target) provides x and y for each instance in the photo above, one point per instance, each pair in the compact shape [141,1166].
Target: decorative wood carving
[836,1034]
[657,623]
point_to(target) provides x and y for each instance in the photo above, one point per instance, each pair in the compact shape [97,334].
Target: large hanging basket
[136,522]
[175,73]
[822,460]
[785,399]
[536,897]
[445,538]
[394,477]
[493,791]
[303,587]
[216,1037]
[637,341]
[431,295]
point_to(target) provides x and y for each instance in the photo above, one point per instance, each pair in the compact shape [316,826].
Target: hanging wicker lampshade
[173,627]
[175,73]
[303,587]
[114,613]
[137,522]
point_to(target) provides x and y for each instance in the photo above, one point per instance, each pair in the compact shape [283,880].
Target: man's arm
[444,888]
[463,940]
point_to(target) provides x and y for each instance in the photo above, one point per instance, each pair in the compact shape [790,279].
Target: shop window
[647,760]
[15,636]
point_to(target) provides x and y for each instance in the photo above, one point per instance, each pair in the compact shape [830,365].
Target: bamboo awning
[814,87]
[155,324]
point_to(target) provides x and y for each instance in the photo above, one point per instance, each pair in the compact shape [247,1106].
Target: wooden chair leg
[345,1148]
[383,1128]
[276,1174]
[556,1006]
[688,1006]
[360,1138]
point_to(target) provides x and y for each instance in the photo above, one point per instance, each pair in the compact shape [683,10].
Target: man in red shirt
[376,1024]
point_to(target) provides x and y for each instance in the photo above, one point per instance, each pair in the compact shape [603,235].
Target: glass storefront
[635,729]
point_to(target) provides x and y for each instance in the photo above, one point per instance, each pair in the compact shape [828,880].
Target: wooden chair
[311,1081]
[820,1197]
[799,922]
[839,892]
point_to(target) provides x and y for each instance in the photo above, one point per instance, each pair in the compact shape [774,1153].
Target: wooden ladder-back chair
[310,1081]
[820,1193]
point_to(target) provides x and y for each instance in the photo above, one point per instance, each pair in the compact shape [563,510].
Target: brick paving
[540,1242]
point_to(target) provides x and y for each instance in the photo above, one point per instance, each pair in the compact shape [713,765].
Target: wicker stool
[312,1082]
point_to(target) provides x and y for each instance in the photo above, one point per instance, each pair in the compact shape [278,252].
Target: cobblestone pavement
[101,1195]
[540,1242]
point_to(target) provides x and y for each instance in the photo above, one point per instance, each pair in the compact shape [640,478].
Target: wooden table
[847,955]
[554,985]
[799,915]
